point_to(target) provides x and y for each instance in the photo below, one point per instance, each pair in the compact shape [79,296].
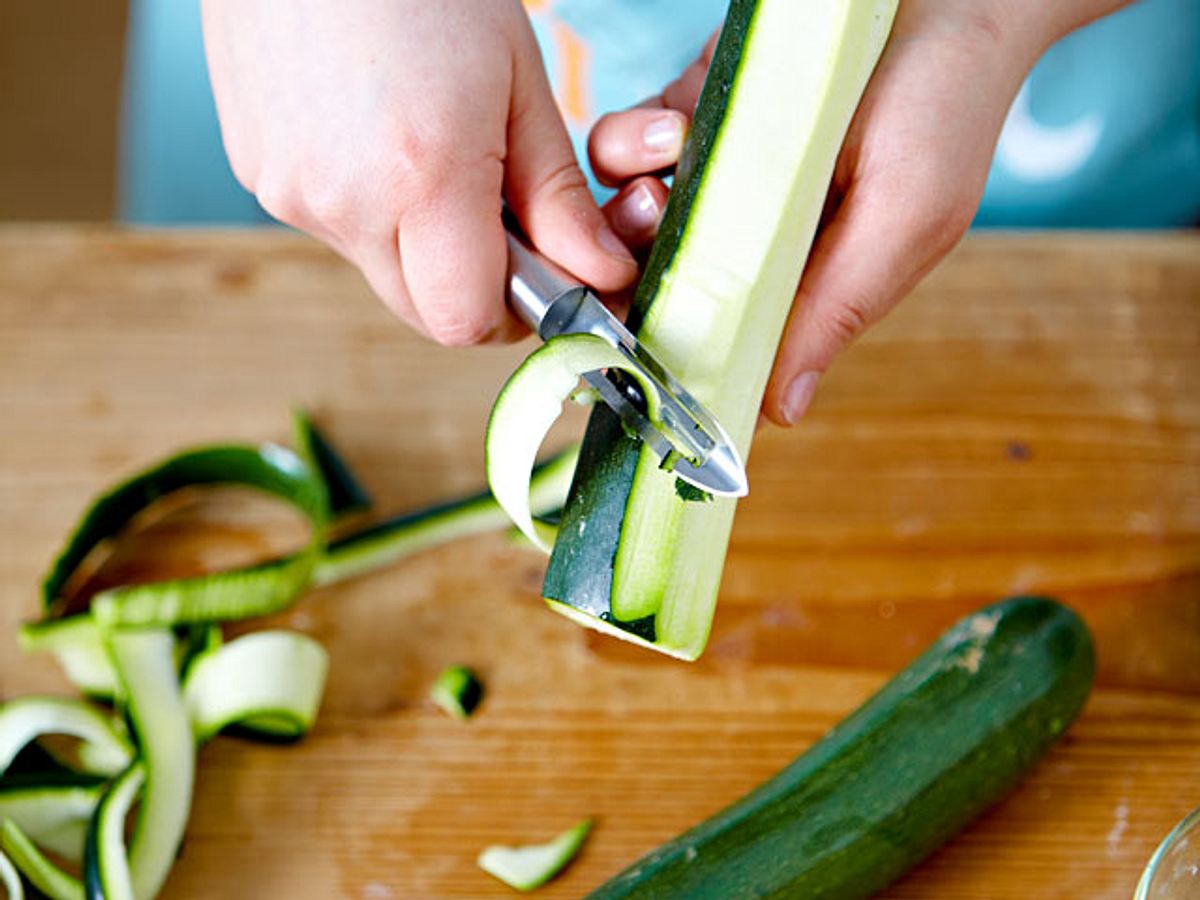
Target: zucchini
[385,542]
[633,556]
[53,812]
[457,691]
[254,590]
[77,645]
[11,879]
[105,750]
[528,868]
[269,683]
[45,876]
[145,661]
[106,874]
[528,405]
[345,492]
[944,740]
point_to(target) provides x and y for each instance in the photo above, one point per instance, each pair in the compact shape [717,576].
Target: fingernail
[663,135]
[798,396]
[613,245]
[638,211]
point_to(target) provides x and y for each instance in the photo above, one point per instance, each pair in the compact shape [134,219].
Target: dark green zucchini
[944,740]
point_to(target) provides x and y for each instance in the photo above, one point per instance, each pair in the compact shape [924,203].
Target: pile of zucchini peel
[161,680]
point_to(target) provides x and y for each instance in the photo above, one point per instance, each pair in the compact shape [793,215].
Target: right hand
[390,130]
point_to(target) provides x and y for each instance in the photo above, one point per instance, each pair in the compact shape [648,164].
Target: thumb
[547,190]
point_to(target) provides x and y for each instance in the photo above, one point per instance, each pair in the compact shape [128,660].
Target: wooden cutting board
[1029,421]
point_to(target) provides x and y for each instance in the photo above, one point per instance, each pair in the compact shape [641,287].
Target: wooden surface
[1028,421]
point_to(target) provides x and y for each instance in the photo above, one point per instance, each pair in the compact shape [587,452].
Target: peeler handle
[542,295]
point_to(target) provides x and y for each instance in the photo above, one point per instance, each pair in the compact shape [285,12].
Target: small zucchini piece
[105,749]
[145,661]
[398,537]
[944,740]
[269,683]
[529,867]
[106,873]
[458,691]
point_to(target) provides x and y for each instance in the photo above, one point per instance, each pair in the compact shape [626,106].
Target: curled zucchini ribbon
[529,404]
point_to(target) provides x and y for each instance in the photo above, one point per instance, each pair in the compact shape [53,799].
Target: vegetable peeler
[689,441]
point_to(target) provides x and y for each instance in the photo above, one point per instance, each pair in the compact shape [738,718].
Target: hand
[907,182]
[389,129]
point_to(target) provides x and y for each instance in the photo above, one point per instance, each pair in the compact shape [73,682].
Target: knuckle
[458,328]
[330,201]
[848,320]
[943,222]
[244,172]
[279,198]
[565,178]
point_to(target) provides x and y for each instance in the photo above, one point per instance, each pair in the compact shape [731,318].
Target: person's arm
[389,129]
[907,182]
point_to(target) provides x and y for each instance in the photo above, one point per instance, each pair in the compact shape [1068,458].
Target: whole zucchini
[944,740]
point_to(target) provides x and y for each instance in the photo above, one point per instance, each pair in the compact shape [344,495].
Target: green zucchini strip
[748,193]
[268,682]
[53,812]
[528,868]
[105,749]
[526,408]
[249,591]
[11,879]
[44,875]
[145,660]
[346,493]
[106,871]
[393,539]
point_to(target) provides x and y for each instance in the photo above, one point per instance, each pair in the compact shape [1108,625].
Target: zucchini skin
[940,743]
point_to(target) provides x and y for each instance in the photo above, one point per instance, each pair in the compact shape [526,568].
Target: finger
[453,255]
[874,251]
[635,142]
[547,190]
[379,262]
[636,210]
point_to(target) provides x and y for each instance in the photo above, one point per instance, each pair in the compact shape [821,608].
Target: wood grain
[1028,421]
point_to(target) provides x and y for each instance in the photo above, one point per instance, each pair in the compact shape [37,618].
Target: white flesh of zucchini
[145,660]
[269,681]
[105,749]
[54,816]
